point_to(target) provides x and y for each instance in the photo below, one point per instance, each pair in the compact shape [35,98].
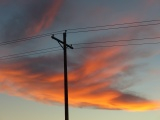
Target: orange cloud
[90,82]
[30,17]
[46,19]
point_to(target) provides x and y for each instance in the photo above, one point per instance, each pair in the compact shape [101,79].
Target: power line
[92,30]
[134,44]
[28,38]
[89,47]
[29,52]
[61,31]
[24,54]
[111,25]
[20,40]
[138,39]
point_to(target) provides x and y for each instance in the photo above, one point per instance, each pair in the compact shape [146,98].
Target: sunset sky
[107,80]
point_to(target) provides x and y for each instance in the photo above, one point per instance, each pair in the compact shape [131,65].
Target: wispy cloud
[93,81]
[27,18]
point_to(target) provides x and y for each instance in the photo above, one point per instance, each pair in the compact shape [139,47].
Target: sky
[107,79]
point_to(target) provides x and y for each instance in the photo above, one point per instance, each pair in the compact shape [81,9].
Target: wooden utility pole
[64,45]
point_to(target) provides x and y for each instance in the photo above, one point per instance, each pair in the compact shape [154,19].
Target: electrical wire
[74,31]
[120,45]
[92,30]
[24,54]
[138,39]
[89,47]
[46,50]
[112,25]
[28,38]
[29,52]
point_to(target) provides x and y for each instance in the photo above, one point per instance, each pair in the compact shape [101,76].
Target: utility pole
[64,45]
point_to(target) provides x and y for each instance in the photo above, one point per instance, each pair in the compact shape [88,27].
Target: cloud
[45,15]
[3,1]
[92,80]
[27,18]
[152,2]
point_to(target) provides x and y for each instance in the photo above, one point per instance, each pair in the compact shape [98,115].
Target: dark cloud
[30,17]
